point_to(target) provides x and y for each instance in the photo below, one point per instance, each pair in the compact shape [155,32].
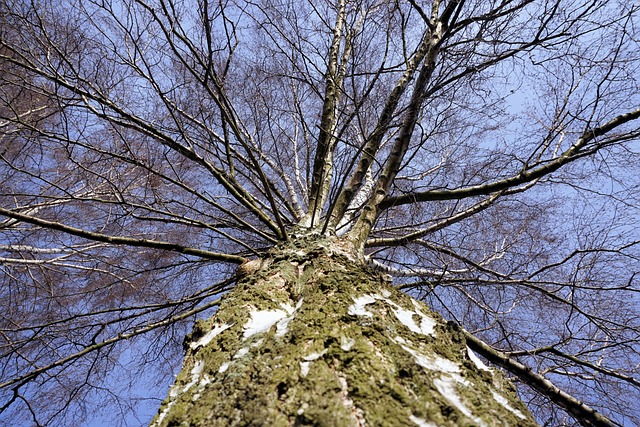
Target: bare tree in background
[307,160]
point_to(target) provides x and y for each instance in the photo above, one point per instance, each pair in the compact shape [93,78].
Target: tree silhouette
[481,154]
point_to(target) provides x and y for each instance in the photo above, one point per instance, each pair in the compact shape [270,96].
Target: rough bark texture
[312,337]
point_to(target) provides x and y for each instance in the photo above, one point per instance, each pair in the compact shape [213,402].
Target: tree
[288,168]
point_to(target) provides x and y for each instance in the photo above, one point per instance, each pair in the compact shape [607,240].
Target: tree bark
[311,336]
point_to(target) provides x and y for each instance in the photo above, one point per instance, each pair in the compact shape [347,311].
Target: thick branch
[323,160]
[577,409]
[127,241]
[373,142]
[526,175]
[370,212]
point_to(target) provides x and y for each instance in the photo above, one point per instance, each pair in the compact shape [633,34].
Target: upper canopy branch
[367,218]
[323,161]
[528,174]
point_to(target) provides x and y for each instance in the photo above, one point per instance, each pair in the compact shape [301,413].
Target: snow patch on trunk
[304,368]
[358,308]
[446,386]
[195,375]
[433,363]
[196,371]
[223,368]
[262,320]
[346,343]
[315,356]
[283,326]
[306,365]
[242,352]
[421,422]
[206,339]
[206,380]
[476,360]
[404,316]
[504,402]
[163,414]
[427,323]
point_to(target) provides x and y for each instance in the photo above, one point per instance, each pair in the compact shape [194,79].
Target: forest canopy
[484,154]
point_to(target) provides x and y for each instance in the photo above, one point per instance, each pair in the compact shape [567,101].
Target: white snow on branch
[206,339]
[504,402]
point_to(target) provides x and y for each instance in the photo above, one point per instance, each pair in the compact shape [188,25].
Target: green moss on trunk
[316,338]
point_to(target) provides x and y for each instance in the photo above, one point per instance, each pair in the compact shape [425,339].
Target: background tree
[483,153]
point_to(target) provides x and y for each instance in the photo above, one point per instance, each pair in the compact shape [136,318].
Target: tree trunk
[311,336]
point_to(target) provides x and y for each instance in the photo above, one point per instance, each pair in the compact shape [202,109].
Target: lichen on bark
[314,337]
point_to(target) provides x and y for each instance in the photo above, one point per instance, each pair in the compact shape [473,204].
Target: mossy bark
[313,337]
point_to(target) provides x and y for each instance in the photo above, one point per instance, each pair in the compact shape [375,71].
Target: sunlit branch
[323,160]
[119,240]
[450,220]
[370,211]
[373,142]
[411,271]
[596,367]
[528,174]
[573,406]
